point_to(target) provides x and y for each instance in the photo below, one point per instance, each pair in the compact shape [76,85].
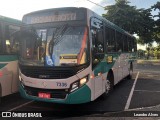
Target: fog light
[74,86]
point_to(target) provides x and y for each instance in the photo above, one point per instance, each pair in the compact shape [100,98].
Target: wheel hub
[107,86]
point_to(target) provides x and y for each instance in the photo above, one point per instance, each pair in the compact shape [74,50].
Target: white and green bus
[72,55]
[8,56]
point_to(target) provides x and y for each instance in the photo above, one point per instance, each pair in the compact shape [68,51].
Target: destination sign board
[52,16]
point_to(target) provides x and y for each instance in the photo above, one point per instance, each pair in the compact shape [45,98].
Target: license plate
[44,95]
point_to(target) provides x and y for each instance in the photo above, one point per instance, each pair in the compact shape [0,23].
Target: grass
[154,61]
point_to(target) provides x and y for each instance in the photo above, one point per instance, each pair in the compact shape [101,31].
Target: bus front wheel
[108,84]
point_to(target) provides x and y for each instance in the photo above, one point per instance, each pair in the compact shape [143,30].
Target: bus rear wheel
[130,71]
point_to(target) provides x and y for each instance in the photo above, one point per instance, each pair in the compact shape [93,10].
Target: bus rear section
[9,48]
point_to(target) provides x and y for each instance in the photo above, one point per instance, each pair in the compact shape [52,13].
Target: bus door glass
[11,44]
[1,46]
[42,33]
[97,40]
[97,53]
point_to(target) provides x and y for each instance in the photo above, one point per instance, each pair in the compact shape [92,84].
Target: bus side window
[110,39]
[1,38]
[7,41]
[100,43]
[125,44]
[12,45]
[130,44]
[97,40]
[135,45]
[119,41]
[97,35]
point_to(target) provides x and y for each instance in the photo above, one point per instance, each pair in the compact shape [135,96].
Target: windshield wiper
[55,38]
[59,33]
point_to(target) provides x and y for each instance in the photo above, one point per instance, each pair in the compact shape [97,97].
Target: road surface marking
[20,106]
[146,91]
[144,108]
[131,93]
[148,71]
[42,108]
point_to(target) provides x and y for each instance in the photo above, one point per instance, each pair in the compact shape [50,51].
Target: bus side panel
[126,65]
[121,67]
[8,74]
[6,81]
[13,67]
[115,67]
[98,86]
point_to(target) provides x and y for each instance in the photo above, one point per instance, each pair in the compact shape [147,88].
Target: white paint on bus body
[9,78]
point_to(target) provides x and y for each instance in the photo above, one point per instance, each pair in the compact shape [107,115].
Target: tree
[131,19]
[157,22]
[123,15]
[141,53]
[158,52]
[146,34]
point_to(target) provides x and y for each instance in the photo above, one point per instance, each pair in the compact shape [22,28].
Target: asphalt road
[143,90]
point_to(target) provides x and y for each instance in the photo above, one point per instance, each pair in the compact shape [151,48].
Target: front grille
[47,72]
[55,93]
[43,72]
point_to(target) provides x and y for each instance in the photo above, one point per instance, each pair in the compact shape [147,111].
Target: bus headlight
[20,78]
[21,81]
[83,81]
[78,84]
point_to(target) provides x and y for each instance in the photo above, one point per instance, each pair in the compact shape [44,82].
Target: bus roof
[7,19]
[110,24]
[62,8]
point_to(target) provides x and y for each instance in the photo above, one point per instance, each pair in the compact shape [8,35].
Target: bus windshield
[61,46]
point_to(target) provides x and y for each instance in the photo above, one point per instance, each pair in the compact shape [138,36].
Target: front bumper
[81,95]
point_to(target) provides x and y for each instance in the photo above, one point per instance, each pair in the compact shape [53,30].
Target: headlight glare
[83,81]
[20,78]
[79,83]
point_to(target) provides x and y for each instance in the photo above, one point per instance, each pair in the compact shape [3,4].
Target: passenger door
[97,54]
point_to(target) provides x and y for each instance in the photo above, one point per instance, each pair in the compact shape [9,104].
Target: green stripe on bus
[103,66]
[82,95]
[7,58]
[2,65]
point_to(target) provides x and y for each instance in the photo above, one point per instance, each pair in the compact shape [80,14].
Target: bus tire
[130,71]
[108,84]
